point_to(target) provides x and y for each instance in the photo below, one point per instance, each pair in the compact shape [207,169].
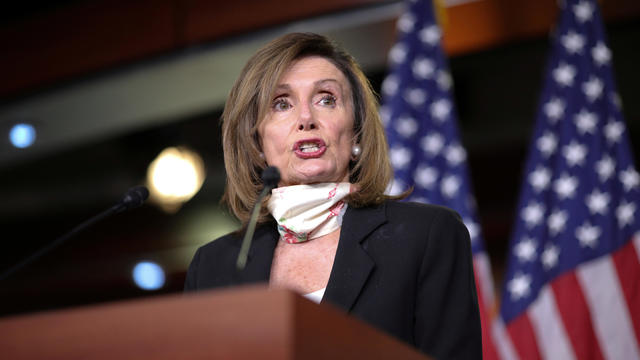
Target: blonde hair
[249,100]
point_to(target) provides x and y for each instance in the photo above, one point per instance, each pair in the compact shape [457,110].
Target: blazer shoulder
[427,220]
[223,242]
[233,240]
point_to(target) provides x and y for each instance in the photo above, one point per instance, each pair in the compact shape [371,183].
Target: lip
[322,147]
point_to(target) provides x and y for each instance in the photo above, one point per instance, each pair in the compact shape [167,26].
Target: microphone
[270,178]
[133,198]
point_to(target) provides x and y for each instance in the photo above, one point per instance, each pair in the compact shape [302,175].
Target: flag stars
[406,126]
[564,74]
[432,143]
[532,214]
[601,54]
[444,80]
[450,186]
[455,154]
[406,22]
[565,186]
[396,187]
[423,68]
[573,42]
[613,131]
[593,88]
[557,222]
[605,168]
[519,286]
[415,96]
[629,178]
[580,186]
[554,109]
[426,176]
[440,109]
[550,256]
[586,122]
[540,178]
[625,212]
[583,11]
[598,202]
[547,144]
[430,35]
[398,53]
[390,85]
[588,235]
[400,157]
[574,153]
[525,250]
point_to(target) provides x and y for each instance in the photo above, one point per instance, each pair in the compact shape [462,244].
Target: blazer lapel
[352,264]
[260,257]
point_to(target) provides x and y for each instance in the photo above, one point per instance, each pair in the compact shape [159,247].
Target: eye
[328,100]
[281,104]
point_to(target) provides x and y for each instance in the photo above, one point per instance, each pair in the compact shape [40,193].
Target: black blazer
[404,268]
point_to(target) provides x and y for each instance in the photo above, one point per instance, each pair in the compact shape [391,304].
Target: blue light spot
[22,135]
[148,275]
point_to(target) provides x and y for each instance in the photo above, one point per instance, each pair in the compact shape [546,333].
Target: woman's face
[308,130]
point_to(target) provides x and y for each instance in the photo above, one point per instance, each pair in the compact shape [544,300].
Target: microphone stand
[133,198]
[270,178]
[246,241]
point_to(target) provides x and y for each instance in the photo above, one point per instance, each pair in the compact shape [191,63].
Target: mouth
[309,148]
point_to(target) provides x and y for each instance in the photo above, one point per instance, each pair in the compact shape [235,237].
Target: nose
[306,119]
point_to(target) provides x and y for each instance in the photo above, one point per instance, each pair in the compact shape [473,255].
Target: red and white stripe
[609,309]
[501,339]
[553,341]
[491,337]
[591,313]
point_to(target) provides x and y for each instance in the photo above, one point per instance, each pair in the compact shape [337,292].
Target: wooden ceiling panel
[210,20]
[87,37]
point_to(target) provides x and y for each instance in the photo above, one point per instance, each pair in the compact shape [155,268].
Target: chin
[313,172]
[316,178]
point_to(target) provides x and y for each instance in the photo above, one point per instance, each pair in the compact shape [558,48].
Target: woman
[328,231]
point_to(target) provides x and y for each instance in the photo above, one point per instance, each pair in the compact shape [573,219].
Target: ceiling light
[174,177]
[22,135]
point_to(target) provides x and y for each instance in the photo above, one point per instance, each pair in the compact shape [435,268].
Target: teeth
[309,147]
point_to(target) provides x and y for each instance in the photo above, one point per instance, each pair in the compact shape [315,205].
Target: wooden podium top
[239,323]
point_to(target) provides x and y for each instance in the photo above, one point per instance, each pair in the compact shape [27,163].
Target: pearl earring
[356,150]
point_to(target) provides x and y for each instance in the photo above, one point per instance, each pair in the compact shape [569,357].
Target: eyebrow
[287,87]
[320,82]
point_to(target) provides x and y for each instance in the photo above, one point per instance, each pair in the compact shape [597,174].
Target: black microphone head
[270,177]
[134,197]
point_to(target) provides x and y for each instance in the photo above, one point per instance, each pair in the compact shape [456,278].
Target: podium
[239,323]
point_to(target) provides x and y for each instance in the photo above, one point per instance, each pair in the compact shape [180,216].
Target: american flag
[425,150]
[572,287]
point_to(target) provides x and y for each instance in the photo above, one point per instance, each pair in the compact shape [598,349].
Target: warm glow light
[175,176]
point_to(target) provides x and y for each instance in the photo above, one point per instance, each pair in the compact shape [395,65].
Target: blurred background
[99,96]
